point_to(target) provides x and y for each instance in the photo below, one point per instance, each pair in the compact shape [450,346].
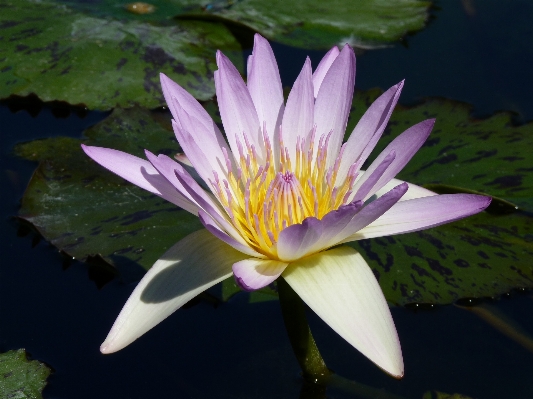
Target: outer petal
[298,118]
[340,288]
[253,274]
[334,101]
[372,211]
[139,172]
[423,213]
[264,85]
[369,129]
[369,180]
[413,192]
[236,107]
[405,145]
[323,67]
[194,264]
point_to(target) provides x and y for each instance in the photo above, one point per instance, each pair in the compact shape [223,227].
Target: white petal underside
[339,287]
[191,266]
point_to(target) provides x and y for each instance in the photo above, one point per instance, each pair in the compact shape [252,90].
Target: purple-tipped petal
[369,129]
[298,118]
[405,145]
[294,241]
[341,289]
[166,168]
[264,85]
[191,266]
[373,177]
[178,98]
[210,224]
[236,107]
[323,67]
[423,213]
[205,154]
[207,204]
[253,274]
[139,172]
[334,101]
[373,211]
[313,235]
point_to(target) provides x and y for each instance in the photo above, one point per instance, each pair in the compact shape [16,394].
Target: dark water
[240,350]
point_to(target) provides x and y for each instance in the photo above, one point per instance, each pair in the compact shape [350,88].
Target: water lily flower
[283,193]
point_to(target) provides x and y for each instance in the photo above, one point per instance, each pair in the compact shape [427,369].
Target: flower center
[262,198]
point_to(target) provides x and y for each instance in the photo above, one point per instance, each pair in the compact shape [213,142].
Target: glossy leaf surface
[60,54]
[20,377]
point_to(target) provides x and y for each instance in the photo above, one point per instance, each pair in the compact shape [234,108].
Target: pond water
[473,51]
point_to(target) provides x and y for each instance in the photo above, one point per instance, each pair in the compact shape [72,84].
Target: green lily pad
[314,24]
[310,24]
[483,255]
[20,377]
[83,209]
[60,54]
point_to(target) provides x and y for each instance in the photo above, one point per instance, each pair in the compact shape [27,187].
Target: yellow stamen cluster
[262,199]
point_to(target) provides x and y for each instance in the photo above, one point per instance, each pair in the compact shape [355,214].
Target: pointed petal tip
[258,39]
[106,348]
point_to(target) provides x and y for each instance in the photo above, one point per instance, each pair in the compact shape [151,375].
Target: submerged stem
[303,344]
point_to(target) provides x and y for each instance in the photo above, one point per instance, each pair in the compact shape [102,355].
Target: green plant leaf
[60,54]
[487,156]
[20,377]
[483,255]
[310,24]
[84,210]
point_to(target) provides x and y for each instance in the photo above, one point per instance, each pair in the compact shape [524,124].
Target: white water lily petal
[423,213]
[194,264]
[413,191]
[139,172]
[264,85]
[253,274]
[339,287]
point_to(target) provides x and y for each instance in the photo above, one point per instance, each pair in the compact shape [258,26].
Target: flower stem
[303,344]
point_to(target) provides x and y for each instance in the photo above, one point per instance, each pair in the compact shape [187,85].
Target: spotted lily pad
[20,377]
[319,25]
[60,54]
[483,255]
[83,209]
[310,24]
